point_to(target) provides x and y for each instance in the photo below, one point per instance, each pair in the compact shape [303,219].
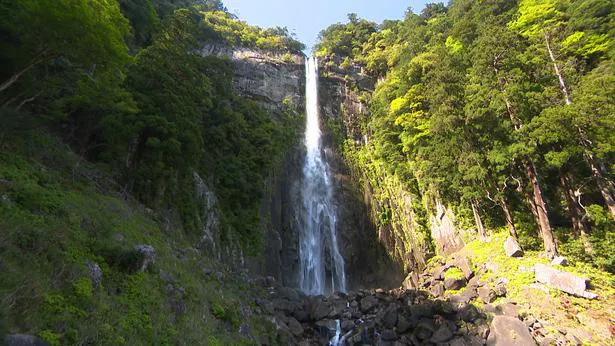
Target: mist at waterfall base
[321,263]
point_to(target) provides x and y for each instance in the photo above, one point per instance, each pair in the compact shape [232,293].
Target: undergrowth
[52,223]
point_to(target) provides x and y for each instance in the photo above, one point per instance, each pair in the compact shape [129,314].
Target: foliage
[224,27]
[345,40]
[491,105]
[107,106]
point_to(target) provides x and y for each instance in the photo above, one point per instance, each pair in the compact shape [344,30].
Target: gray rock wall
[272,80]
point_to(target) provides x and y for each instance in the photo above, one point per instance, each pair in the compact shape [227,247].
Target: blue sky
[307,17]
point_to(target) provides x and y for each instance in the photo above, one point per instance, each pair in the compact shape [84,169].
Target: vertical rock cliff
[379,209]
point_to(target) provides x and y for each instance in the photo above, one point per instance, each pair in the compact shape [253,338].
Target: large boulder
[319,309]
[453,283]
[486,294]
[147,256]
[509,331]
[368,303]
[442,334]
[512,247]
[559,260]
[562,281]
[464,264]
[437,290]
[294,326]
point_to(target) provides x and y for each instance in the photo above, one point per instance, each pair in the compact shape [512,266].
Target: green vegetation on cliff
[114,132]
[503,111]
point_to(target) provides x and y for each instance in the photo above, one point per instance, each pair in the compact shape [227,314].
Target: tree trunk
[605,187]
[581,228]
[509,220]
[479,223]
[541,212]
[558,72]
[15,77]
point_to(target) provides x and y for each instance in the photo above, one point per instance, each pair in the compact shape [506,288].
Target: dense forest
[109,116]
[504,110]
[123,84]
[124,141]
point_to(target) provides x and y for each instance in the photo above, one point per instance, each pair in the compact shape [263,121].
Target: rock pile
[377,317]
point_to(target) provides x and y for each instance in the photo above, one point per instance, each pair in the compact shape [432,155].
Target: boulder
[148,256]
[288,293]
[389,319]
[402,324]
[469,313]
[468,294]
[509,331]
[437,290]
[559,260]
[388,335]
[441,335]
[508,309]
[486,294]
[410,282]
[368,303]
[562,281]
[512,248]
[338,306]
[294,326]
[501,287]
[23,340]
[424,330]
[94,273]
[454,283]
[464,264]
[438,272]
[347,325]
[319,309]
[301,315]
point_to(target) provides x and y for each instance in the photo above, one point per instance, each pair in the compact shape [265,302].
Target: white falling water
[318,239]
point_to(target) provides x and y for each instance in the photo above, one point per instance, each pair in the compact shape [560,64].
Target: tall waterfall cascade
[321,263]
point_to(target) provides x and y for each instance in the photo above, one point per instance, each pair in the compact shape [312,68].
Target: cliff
[395,213]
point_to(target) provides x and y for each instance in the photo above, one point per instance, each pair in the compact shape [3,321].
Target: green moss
[453,273]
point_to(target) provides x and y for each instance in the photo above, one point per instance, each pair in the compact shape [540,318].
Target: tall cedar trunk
[581,228]
[606,188]
[509,220]
[573,207]
[479,223]
[541,212]
[537,202]
[558,72]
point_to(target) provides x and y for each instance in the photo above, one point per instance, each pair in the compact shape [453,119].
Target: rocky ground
[504,299]
[481,295]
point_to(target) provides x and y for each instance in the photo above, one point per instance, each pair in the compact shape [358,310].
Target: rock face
[265,77]
[375,255]
[562,281]
[509,331]
[277,83]
[403,234]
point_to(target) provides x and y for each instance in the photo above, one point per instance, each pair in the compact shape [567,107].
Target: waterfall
[318,236]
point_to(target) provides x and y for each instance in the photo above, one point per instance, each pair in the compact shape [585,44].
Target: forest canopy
[504,109]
